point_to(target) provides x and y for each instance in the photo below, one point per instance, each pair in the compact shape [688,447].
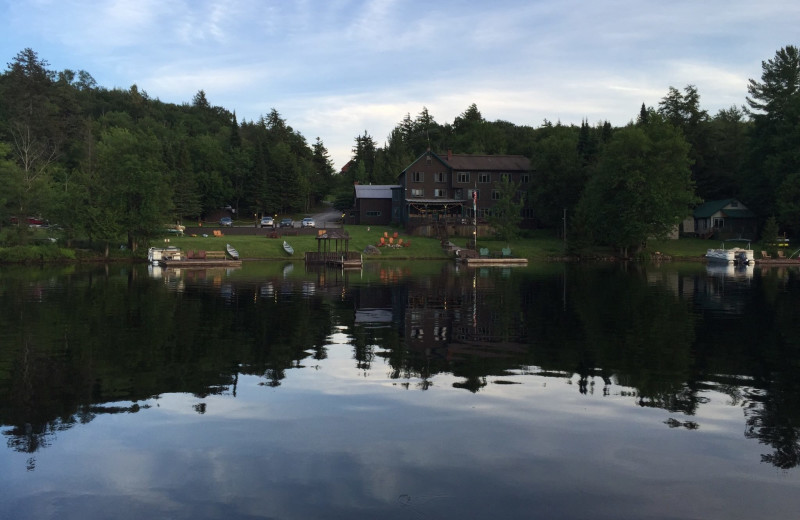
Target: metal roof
[376,191]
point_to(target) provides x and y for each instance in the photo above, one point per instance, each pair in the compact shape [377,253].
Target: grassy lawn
[538,245]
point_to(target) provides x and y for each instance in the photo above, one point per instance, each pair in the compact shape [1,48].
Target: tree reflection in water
[663,337]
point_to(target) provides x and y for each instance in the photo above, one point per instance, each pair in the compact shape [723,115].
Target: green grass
[537,246]
[681,248]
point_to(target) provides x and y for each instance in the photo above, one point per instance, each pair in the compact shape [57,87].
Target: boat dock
[342,260]
[174,257]
[333,250]
[499,262]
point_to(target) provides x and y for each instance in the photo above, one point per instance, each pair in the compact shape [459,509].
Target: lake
[406,390]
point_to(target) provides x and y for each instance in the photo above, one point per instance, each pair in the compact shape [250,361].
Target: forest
[118,164]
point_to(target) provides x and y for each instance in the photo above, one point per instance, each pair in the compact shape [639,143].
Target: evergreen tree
[775,108]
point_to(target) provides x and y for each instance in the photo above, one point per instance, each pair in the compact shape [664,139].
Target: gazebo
[333,248]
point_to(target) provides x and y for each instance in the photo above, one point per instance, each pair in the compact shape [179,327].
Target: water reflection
[78,345]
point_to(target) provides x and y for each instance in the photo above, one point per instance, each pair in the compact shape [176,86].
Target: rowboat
[288,248]
[232,251]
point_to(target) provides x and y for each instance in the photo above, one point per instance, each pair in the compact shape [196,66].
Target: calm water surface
[406,391]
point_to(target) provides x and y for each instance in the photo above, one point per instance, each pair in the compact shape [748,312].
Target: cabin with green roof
[727,218]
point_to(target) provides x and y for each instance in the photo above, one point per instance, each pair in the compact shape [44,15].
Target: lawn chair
[218,233]
[382,242]
[506,252]
[765,255]
[484,252]
[780,254]
[189,254]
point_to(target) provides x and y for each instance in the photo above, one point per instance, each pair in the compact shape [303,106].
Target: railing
[332,257]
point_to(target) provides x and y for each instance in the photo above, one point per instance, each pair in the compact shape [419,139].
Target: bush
[35,254]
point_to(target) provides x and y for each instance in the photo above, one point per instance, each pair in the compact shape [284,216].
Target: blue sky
[334,69]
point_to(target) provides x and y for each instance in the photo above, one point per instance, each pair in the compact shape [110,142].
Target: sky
[335,69]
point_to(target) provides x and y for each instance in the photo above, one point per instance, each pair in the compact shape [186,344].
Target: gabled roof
[376,191]
[709,208]
[428,153]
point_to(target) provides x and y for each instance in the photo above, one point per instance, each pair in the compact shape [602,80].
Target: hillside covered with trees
[111,164]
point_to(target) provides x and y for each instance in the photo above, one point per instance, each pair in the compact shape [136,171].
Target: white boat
[156,254]
[288,248]
[232,251]
[734,255]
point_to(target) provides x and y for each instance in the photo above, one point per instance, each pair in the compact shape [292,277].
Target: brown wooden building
[459,188]
[373,204]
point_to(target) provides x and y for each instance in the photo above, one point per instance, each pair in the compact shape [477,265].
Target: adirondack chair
[764,254]
[506,252]
[484,252]
[780,254]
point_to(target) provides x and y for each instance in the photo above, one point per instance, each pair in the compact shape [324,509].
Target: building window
[440,177]
[495,194]
[417,192]
[526,178]
[439,193]
[463,177]
[485,177]
[418,176]
[719,222]
[505,177]
[373,213]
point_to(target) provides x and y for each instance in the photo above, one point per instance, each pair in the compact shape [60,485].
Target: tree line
[111,163]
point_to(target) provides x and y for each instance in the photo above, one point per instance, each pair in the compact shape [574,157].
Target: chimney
[449,155]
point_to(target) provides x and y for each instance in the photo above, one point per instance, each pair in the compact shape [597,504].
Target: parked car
[226,221]
[267,222]
[287,222]
[307,222]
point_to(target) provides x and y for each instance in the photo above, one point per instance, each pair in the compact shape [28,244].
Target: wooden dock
[343,260]
[498,262]
[200,263]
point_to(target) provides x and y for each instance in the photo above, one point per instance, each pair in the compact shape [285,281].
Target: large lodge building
[457,190]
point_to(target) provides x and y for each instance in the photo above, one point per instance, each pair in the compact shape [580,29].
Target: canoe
[232,251]
[288,248]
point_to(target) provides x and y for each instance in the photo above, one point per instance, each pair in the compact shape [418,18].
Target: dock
[498,262]
[333,250]
[343,260]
